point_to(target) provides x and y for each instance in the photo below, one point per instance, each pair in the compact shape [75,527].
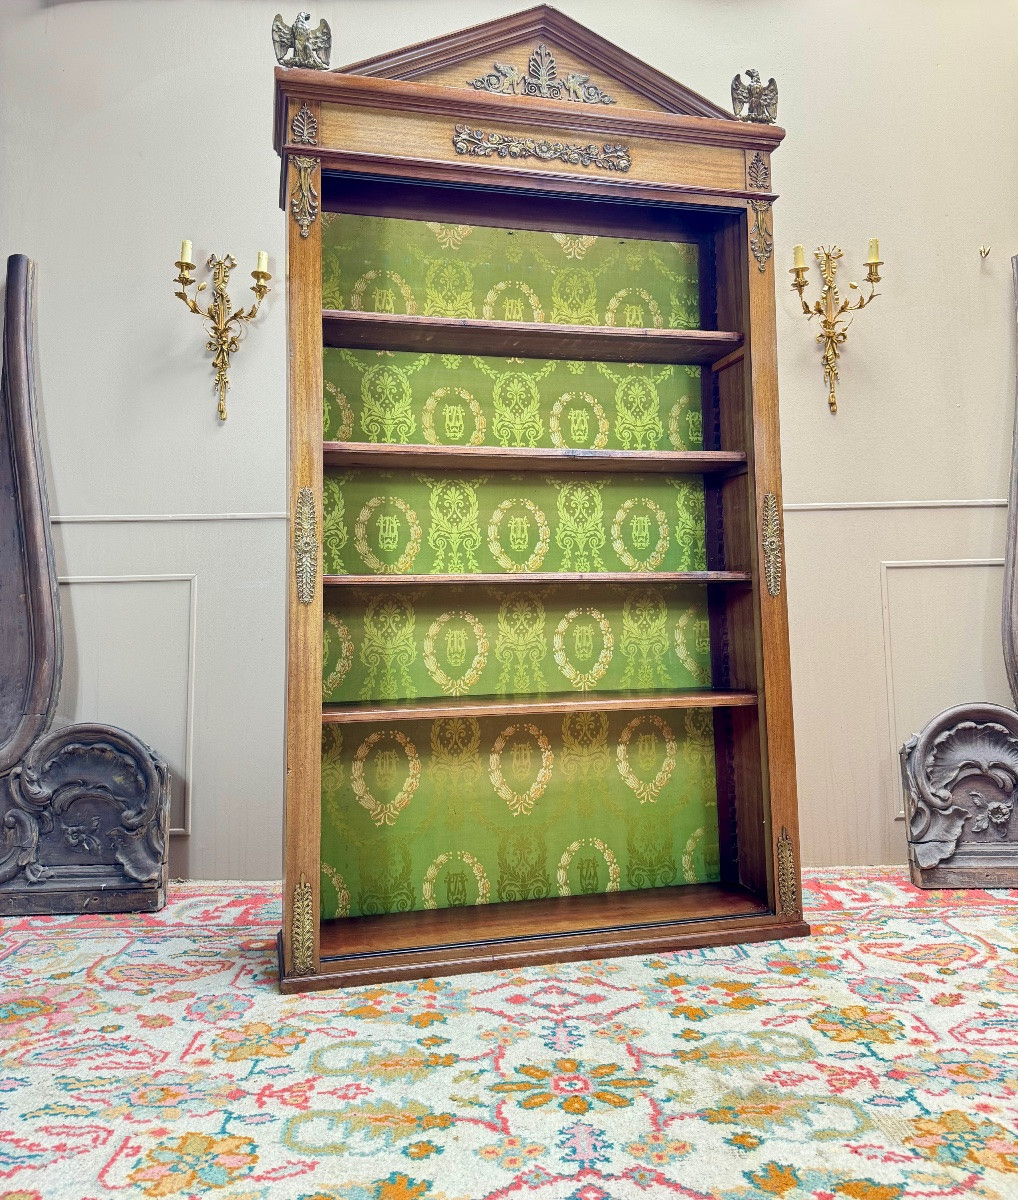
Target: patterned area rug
[151,1056]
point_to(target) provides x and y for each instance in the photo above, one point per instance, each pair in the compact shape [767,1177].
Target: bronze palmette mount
[788,888]
[302,930]
[305,546]
[508,145]
[770,522]
[541,79]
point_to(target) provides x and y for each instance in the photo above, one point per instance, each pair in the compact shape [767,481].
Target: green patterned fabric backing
[466,522]
[391,644]
[378,264]
[455,811]
[436,814]
[460,400]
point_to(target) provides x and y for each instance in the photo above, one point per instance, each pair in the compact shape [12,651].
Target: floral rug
[151,1056]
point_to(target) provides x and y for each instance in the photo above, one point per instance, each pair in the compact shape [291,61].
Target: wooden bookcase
[418,136]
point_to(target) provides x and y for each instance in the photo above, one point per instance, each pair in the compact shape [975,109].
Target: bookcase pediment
[540,54]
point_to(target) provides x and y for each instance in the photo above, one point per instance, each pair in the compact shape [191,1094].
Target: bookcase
[538,700]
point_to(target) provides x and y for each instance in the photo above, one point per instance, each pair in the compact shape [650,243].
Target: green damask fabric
[458,811]
[460,400]
[467,522]
[379,264]
[391,644]
[437,814]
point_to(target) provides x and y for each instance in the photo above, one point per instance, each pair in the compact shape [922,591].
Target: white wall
[126,126]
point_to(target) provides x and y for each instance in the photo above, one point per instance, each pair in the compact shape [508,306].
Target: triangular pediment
[539,54]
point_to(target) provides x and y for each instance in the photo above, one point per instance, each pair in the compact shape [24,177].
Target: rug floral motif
[151,1056]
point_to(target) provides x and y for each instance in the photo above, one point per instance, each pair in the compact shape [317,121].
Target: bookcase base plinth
[363,951]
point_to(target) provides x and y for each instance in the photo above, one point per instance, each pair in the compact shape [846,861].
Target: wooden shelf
[513,339]
[532,577]
[505,706]
[620,912]
[513,458]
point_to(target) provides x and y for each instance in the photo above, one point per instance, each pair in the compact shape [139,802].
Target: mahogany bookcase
[477,130]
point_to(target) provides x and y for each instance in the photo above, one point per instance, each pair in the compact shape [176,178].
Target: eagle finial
[760,100]
[307,47]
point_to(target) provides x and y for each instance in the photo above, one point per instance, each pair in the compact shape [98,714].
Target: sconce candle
[224,325]
[830,308]
[799,256]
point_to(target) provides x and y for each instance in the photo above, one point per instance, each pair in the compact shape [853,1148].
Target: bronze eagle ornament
[760,100]
[308,47]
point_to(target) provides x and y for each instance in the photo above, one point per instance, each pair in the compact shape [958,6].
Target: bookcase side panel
[783,831]
[302,813]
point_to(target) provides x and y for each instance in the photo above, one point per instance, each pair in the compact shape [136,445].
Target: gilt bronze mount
[224,325]
[830,308]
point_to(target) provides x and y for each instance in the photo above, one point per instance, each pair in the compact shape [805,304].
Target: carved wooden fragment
[84,808]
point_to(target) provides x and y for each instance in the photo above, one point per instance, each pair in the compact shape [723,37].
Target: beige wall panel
[863,683]
[128,661]
[363,130]
[141,654]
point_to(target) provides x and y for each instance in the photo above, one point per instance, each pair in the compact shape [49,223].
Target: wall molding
[192,648]
[156,518]
[864,505]
[893,737]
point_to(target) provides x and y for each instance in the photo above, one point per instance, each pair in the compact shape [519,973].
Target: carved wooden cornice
[598,122]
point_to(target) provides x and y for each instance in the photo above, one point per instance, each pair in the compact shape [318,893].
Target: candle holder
[224,325]
[831,309]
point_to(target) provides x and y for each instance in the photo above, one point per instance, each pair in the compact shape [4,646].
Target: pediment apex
[455,58]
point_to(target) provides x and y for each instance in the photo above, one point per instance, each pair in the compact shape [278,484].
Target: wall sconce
[224,326]
[830,308]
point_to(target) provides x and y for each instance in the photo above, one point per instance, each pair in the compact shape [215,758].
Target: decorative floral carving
[771,541]
[761,237]
[758,173]
[541,80]
[788,887]
[304,127]
[304,197]
[609,157]
[960,776]
[302,931]
[98,763]
[305,545]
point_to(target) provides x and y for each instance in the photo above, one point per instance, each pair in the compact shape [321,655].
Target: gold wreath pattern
[611,862]
[431,407]
[468,860]
[520,803]
[555,420]
[533,563]
[360,537]
[461,685]
[647,791]
[385,813]
[656,557]
[334,680]
[583,681]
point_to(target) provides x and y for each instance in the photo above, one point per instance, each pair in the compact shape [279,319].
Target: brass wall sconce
[224,325]
[830,308]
